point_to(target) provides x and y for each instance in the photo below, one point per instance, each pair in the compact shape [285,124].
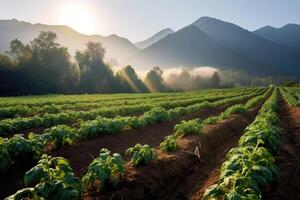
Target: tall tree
[96,76]
[19,52]
[154,80]
[129,81]
[215,80]
[50,67]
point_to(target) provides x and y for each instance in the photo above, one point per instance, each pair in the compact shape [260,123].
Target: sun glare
[78,17]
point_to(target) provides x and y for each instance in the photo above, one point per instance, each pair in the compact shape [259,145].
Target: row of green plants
[48,120]
[195,126]
[60,135]
[21,110]
[53,178]
[107,169]
[251,165]
[238,109]
[72,99]
[289,98]
[140,155]
[100,126]
[42,100]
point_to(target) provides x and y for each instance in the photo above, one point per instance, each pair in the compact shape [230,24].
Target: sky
[139,19]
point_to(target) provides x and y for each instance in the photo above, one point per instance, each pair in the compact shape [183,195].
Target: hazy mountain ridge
[191,47]
[206,42]
[155,38]
[249,44]
[117,47]
[241,49]
[288,35]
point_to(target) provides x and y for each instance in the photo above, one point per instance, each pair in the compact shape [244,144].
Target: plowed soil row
[74,124]
[179,175]
[81,154]
[288,159]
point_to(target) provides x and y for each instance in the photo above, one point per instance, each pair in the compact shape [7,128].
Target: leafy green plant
[236,109]
[105,170]
[251,164]
[157,114]
[52,178]
[141,154]
[26,193]
[102,126]
[289,98]
[137,122]
[169,143]
[58,136]
[211,120]
[254,101]
[97,124]
[19,147]
[5,158]
[243,172]
[184,128]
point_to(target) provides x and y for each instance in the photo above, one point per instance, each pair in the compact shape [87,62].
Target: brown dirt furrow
[179,174]
[207,173]
[82,154]
[288,159]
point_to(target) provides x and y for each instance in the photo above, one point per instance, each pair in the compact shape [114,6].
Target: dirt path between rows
[207,173]
[288,159]
[74,124]
[178,175]
[81,154]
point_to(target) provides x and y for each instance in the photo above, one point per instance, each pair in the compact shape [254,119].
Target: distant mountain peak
[207,22]
[288,35]
[291,27]
[166,30]
[116,47]
[155,38]
[206,19]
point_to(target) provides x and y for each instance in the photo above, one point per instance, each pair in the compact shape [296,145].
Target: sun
[79,17]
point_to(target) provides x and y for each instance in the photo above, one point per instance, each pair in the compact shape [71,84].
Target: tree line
[43,67]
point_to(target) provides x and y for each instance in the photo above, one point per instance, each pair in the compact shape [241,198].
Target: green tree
[154,80]
[215,80]
[50,67]
[19,52]
[129,81]
[96,76]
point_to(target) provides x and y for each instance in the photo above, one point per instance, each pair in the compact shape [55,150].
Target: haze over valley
[205,42]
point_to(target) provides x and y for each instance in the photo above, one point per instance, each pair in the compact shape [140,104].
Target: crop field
[214,144]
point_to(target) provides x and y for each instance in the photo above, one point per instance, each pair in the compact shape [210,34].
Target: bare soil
[81,154]
[179,175]
[288,159]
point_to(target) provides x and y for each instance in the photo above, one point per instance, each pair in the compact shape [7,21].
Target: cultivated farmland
[238,143]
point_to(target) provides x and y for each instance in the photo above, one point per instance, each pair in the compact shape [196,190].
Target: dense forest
[43,67]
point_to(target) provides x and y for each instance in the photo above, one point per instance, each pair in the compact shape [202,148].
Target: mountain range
[205,42]
[288,35]
[116,46]
[155,38]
